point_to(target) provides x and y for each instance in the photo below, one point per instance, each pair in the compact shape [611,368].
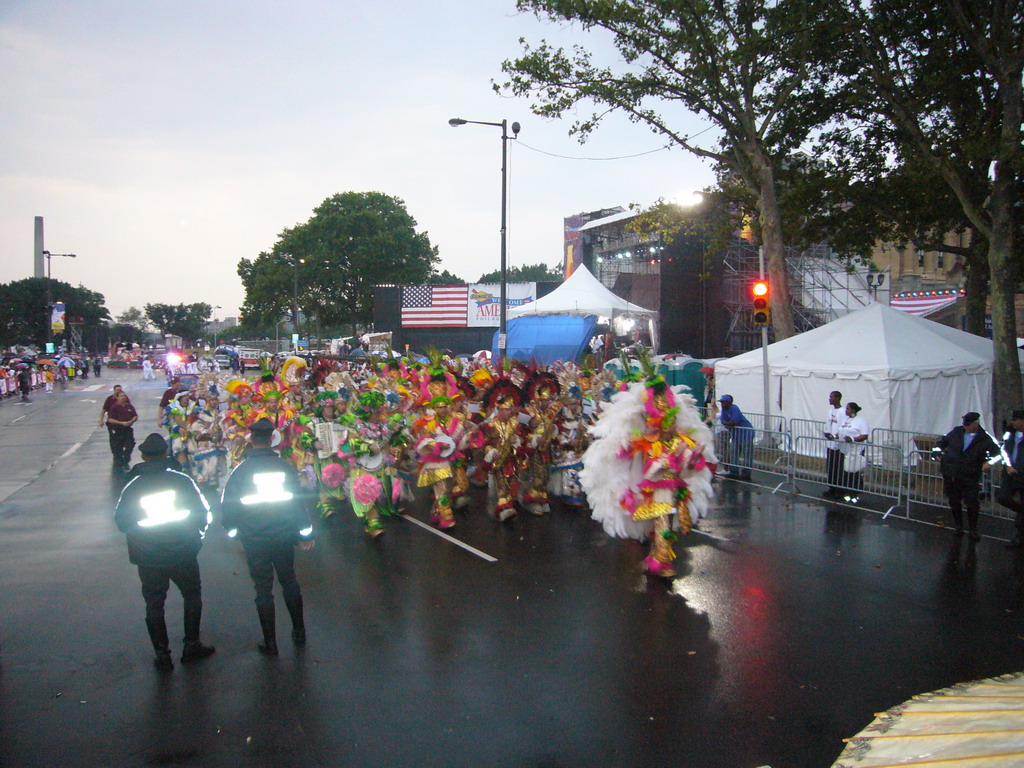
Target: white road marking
[92,387]
[88,401]
[71,450]
[19,419]
[710,535]
[452,539]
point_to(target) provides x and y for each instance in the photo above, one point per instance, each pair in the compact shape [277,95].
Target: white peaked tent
[582,294]
[904,371]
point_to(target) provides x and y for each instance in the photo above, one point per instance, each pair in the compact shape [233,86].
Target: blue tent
[547,338]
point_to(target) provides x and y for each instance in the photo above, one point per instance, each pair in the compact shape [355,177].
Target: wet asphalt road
[792,624]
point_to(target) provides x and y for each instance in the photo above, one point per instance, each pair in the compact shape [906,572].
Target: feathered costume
[651,458]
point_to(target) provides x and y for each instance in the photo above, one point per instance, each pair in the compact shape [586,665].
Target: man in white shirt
[833,457]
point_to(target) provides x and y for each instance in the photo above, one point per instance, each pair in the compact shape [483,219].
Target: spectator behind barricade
[833,457]
[741,439]
[966,450]
[1011,489]
[852,432]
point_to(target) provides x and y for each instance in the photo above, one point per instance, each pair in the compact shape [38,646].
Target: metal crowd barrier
[883,475]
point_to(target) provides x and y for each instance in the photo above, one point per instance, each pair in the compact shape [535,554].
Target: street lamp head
[455,122]
[516,128]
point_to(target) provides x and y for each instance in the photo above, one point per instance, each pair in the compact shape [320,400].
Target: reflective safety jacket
[263,502]
[164,515]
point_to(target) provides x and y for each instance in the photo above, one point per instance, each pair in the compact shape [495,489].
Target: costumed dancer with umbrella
[649,465]
[540,391]
[437,434]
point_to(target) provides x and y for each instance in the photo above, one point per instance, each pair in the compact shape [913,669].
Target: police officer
[264,506]
[965,451]
[165,517]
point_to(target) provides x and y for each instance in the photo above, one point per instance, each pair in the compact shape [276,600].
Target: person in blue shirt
[740,455]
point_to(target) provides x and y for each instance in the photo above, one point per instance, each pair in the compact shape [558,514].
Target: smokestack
[39,270]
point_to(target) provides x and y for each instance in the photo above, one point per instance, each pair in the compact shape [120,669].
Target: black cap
[1017,414]
[154,445]
[971,416]
[263,427]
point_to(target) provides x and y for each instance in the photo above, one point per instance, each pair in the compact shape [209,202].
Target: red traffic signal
[762,315]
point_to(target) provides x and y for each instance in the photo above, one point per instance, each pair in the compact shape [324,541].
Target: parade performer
[437,434]
[540,391]
[178,419]
[368,453]
[205,442]
[567,460]
[650,462]
[502,446]
[327,434]
[237,420]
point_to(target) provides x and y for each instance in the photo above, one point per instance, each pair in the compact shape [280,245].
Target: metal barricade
[808,428]
[924,486]
[883,476]
[760,421]
[912,444]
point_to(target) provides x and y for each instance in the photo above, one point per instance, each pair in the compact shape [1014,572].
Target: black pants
[962,493]
[264,560]
[834,467]
[122,443]
[1011,496]
[156,580]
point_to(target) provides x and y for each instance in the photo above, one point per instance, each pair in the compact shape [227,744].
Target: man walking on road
[121,415]
[264,506]
[965,451]
[165,517]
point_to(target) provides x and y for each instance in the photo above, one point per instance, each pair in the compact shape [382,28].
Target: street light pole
[49,292]
[295,293]
[455,122]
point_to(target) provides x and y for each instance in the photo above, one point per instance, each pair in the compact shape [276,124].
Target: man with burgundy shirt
[120,418]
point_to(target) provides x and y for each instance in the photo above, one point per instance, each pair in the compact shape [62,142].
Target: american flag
[924,303]
[435,306]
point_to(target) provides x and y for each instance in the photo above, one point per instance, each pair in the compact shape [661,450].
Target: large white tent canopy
[581,295]
[905,372]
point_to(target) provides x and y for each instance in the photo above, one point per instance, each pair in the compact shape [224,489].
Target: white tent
[582,294]
[905,372]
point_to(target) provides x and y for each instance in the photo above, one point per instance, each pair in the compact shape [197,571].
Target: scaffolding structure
[822,286]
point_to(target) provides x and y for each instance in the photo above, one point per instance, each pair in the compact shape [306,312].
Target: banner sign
[57,318]
[485,301]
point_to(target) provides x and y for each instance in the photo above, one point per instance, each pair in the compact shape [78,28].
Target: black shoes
[163,662]
[299,636]
[196,651]
[268,647]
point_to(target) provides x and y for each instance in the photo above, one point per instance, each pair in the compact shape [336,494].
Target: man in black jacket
[165,517]
[965,452]
[264,506]
[1011,490]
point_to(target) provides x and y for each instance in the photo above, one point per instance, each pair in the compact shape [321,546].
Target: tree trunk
[1007,392]
[779,297]
[976,286]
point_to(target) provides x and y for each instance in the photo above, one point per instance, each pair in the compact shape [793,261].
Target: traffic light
[762,315]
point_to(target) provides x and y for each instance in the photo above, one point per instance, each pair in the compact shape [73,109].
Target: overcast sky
[164,141]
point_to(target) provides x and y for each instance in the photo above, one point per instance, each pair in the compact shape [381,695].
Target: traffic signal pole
[764,353]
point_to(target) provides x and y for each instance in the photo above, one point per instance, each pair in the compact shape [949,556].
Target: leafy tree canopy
[353,241]
[528,273]
[24,316]
[186,320]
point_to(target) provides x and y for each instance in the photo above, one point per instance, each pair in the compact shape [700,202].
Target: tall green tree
[330,264]
[527,273]
[948,75]
[131,326]
[186,320]
[743,65]
[24,316]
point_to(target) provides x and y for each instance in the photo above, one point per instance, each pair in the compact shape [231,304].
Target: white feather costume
[607,475]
